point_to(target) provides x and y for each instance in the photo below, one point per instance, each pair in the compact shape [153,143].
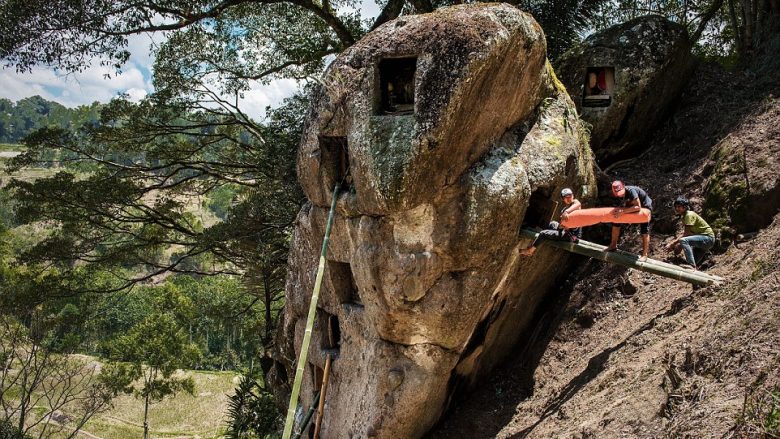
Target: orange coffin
[589,217]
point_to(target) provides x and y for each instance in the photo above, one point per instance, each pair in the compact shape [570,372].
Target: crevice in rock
[445,349]
[334,333]
[539,209]
[316,375]
[329,329]
[335,161]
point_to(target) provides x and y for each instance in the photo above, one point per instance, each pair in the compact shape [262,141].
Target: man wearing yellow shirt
[697,233]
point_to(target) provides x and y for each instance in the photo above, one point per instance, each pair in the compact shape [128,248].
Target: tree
[742,29]
[30,114]
[154,351]
[44,391]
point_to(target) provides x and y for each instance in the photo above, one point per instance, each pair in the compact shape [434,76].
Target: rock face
[624,80]
[742,190]
[449,131]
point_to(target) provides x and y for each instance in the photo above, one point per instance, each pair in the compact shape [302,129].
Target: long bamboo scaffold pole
[296,389]
[630,260]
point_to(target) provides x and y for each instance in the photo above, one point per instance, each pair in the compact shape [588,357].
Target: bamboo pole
[323,392]
[288,424]
[629,260]
[602,248]
[309,414]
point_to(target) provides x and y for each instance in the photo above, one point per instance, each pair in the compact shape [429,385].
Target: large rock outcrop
[742,190]
[624,81]
[449,130]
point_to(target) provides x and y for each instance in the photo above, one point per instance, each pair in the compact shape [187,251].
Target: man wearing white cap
[555,232]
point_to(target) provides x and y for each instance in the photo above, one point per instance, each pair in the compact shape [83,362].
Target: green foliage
[727,31]
[252,412]
[221,199]
[145,360]
[146,163]
[9,431]
[41,377]
[19,119]
[760,415]
[563,21]
[159,340]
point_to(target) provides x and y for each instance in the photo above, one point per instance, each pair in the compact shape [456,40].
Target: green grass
[11,147]
[29,174]
[201,415]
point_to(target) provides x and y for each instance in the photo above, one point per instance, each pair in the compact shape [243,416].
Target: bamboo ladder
[630,260]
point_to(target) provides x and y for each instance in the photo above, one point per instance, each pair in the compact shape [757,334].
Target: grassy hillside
[182,416]
[11,147]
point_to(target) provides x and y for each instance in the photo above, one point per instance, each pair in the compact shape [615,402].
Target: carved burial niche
[396,85]
[343,283]
[329,329]
[599,86]
[317,375]
[540,209]
[335,161]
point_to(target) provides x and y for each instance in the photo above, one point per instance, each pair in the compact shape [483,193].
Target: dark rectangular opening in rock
[343,283]
[335,161]
[396,85]
[599,86]
[316,376]
[329,330]
[334,332]
[540,209]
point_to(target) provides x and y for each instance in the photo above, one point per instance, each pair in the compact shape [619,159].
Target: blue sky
[100,83]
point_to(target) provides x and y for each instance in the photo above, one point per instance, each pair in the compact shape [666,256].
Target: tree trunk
[268,302]
[708,15]
[25,399]
[737,31]
[146,416]
[748,23]
[26,386]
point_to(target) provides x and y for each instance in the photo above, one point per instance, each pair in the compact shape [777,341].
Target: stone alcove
[396,85]
[598,87]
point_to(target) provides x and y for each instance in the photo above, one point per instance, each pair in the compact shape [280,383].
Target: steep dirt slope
[620,353]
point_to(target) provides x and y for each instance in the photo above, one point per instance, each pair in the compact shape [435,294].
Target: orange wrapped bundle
[589,217]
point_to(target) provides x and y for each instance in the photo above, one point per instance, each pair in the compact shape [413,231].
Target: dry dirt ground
[618,353]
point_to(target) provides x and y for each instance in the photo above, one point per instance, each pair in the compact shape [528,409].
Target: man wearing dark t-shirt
[629,200]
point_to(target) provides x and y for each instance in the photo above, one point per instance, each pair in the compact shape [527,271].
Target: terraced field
[183,416]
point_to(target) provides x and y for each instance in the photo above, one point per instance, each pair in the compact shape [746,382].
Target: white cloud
[369,8]
[260,96]
[136,94]
[95,83]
